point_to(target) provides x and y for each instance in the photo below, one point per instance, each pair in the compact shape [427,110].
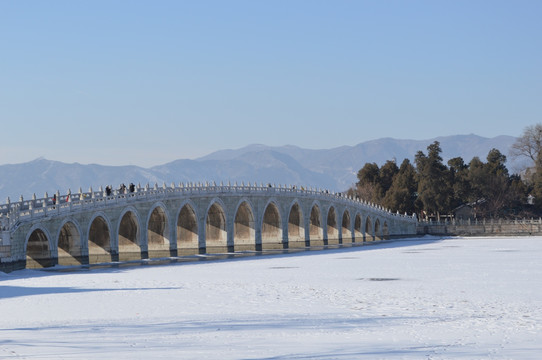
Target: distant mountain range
[334,169]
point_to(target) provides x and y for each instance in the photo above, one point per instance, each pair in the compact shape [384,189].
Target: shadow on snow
[17,291]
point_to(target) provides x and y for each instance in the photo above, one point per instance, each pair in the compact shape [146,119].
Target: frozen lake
[429,298]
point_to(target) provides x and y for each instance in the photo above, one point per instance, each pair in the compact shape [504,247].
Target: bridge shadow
[151,331]
[19,291]
[235,256]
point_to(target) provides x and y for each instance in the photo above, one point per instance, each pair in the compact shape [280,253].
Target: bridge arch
[38,248]
[385,231]
[369,229]
[271,226]
[244,230]
[359,234]
[296,226]
[378,230]
[316,230]
[158,232]
[129,236]
[187,234]
[100,247]
[346,228]
[216,233]
[69,244]
[332,227]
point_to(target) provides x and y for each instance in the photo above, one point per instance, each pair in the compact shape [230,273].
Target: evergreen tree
[459,173]
[402,193]
[477,179]
[387,173]
[498,194]
[491,184]
[369,173]
[496,163]
[519,192]
[368,186]
[434,187]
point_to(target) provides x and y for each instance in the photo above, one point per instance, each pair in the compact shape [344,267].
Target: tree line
[431,188]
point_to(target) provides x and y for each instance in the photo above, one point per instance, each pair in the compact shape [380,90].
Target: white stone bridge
[168,221]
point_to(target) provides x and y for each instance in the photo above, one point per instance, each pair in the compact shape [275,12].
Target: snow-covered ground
[460,298]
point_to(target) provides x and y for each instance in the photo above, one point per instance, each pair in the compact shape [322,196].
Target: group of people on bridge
[122,189]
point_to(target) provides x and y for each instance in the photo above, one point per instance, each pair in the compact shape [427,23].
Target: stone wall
[482,228]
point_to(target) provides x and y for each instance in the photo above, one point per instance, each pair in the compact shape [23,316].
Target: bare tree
[368,192]
[529,144]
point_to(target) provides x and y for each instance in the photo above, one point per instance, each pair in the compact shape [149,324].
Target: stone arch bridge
[169,221]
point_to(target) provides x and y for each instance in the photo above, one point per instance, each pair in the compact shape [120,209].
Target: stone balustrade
[12,213]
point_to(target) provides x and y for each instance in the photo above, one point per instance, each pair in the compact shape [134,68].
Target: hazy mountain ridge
[334,169]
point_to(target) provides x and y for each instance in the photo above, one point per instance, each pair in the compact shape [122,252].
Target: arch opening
[69,245]
[296,228]
[157,239]
[358,233]
[129,248]
[99,242]
[216,236]
[332,229]
[369,233]
[244,234]
[315,227]
[38,253]
[271,229]
[187,232]
[385,231]
[346,232]
[378,230]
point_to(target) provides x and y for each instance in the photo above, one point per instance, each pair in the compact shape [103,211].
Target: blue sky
[147,82]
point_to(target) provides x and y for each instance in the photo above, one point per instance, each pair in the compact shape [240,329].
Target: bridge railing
[12,214]
[474,222]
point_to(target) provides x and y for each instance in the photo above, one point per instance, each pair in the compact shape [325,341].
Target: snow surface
[429,298]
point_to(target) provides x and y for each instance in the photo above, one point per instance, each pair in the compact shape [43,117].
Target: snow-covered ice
[429,298]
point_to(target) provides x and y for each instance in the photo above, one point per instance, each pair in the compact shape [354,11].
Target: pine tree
[477,179]
[368,186]
[387,173]
[434,185]
[402,193]
[459,172]
[497,188]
